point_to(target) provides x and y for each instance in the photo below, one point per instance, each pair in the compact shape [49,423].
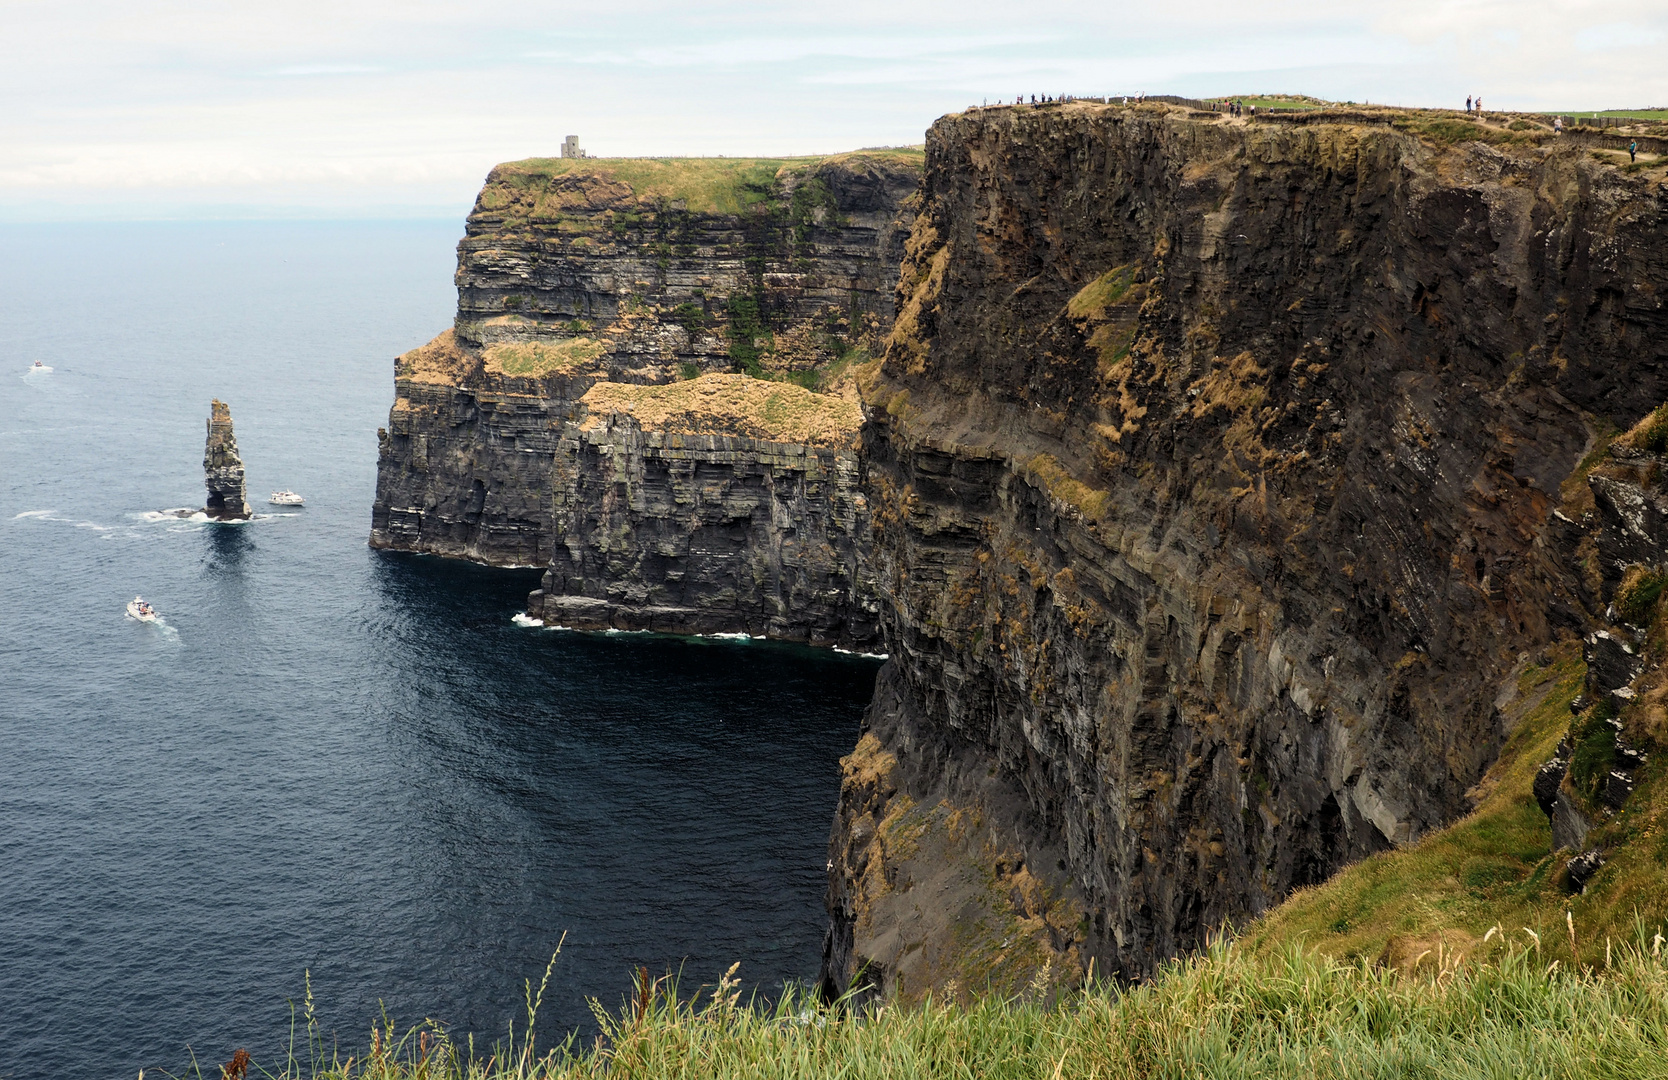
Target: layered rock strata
[1616,542]
[721,505]
[513,439]
[228,499]
[1213,467]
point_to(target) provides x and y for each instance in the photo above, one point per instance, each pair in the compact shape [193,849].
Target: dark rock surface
[1611,662]
[228,500]
[1549,777]
[1570,824]
[1582,867]
[706,533]
[1212,467]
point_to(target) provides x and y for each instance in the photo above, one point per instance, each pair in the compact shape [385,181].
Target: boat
[39,368]
[286,498]
[137,608]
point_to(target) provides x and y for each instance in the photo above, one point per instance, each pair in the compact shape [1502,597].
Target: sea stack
[228,500]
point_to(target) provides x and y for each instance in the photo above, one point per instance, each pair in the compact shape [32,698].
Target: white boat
[137,608]
[286,498]
[39,368]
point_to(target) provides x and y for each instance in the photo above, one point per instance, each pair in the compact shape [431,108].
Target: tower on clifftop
[570,147]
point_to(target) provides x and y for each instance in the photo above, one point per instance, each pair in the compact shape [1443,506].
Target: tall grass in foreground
[1222,1014]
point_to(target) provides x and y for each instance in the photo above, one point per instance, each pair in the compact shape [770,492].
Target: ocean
[327,763]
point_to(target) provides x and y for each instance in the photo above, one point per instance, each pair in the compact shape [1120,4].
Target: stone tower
[570,147]
[228,499]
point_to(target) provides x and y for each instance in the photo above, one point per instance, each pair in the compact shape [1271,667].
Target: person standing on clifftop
[1468,106]
[1633,151]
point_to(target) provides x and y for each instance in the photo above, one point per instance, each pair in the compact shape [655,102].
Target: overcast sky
[133,108]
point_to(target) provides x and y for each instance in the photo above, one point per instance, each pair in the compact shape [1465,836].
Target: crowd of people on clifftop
[1226,105]
[1055,99]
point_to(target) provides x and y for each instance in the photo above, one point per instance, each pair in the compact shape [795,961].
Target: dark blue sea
[328,759]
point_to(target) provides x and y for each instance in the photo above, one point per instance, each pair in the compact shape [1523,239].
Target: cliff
[725,504]
[519,437]
[1217,472]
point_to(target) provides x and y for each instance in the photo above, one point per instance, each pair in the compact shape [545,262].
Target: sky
[142,109]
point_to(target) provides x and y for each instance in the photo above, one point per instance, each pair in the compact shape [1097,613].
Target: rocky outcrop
[711,506]
[1619,547]
[1213,467]
[228,500]
[508,444]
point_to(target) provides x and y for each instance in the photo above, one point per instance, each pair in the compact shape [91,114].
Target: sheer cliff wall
[512,442]
[1213,468]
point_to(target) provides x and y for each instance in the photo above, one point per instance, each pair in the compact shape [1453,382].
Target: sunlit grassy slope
[1495,868]
[1226,1015]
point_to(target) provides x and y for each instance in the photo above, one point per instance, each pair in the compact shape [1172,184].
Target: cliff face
[714,256]
[721,505]
[1212,467]
[513,438]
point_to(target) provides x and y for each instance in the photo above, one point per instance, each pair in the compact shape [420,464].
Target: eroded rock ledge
[1212,467]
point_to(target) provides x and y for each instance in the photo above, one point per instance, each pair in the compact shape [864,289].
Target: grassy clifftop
[701,185]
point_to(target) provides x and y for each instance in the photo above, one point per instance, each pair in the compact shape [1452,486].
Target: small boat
[39,368]
[286,498]
[39,364]
[137,608]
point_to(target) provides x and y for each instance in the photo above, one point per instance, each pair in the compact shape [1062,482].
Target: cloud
[302,70]
[344,102]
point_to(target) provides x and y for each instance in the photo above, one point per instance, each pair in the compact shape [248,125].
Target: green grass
[1224,1015]
[1444,131]
[1635,114]
[729,404]
[542,358]
[703,185]
[1093,299]
[1278,101]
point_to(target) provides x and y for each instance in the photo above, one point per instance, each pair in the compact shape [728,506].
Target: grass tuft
[718,404]
[541,357]
[1651,433]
